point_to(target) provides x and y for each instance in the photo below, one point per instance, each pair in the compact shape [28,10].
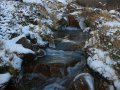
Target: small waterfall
[52,44]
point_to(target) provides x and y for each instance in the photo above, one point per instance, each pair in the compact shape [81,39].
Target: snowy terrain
[37,18]
[15,24]
[103,46]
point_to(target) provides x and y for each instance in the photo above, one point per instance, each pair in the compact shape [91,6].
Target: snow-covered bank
[18,21]
[103,46]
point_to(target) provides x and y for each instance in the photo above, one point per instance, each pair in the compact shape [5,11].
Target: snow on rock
[100,62]
[16,63]
[117,84]
[18,48]
[7,10]
[81,23]
[62,1]
[113,24]
[11,20]
[8,58]
[27,32]
[11,60]
[4,78]
[19,20]
[111,32]
[41,1]
[32,1]
[104,43]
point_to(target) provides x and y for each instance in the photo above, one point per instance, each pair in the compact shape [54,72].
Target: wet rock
[40,53]
[77,69]
[34,22]
[72,21]
[34,41]
[103,86]
[32,81]
[100,82]
[25,43]
[83,81]
[13,35]
[70,40]
[74,35]
[29,67]
[30,57]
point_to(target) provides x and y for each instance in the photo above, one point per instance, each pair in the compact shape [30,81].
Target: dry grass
[104,42]
[104,29]
[105,4]
[91,16]
[116,43]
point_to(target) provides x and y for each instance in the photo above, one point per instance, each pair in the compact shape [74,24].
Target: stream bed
[62,68]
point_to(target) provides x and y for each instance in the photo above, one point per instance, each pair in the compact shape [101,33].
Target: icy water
[62,68]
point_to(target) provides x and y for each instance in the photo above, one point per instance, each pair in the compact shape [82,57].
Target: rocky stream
[61,67]
[59,45]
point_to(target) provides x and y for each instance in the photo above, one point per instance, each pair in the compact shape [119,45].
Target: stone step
[74,35]
[67,45]
[70,40]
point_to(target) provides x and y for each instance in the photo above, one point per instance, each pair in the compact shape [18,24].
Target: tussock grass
[91,16]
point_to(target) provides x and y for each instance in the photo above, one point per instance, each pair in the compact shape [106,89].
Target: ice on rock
[117,84]
[4,78]
[25,30]
[88,79]
[16,63]
[54,86]
[18,48]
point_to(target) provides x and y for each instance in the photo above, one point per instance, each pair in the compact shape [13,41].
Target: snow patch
[4,78]
[100,62]
[18,48]
[117,84]
[16,63]
[113,24]
[33,1]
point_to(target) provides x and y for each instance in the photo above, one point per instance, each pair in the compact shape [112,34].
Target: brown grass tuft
[91,16]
